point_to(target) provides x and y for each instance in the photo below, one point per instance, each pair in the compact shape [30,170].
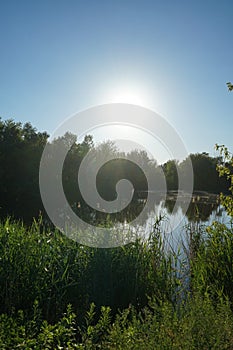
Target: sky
[175,57]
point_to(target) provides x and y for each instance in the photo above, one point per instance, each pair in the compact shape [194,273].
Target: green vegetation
[37,264]
[58,294]
[21,147]
[197,325]
[225,169]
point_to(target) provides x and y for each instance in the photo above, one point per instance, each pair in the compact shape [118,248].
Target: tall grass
[43,265]
[141,294]
[213,265]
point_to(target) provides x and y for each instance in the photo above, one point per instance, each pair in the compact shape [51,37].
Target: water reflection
[200,209]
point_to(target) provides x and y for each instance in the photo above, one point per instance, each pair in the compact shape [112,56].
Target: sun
[125,93]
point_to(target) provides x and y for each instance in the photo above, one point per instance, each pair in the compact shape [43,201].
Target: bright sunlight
[126,93]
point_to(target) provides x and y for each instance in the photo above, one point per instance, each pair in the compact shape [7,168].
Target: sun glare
[126,94]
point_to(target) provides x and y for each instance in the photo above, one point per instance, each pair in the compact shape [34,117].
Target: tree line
[21,148]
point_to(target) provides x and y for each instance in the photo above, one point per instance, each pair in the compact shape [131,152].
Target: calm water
[203,209]
[177,214]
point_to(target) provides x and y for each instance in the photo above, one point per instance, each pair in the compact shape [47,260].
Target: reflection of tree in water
[200,211]
[170,206]
[130,213]
[95,217]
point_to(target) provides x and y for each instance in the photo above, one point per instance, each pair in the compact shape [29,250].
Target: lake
[174,211]
[201,209]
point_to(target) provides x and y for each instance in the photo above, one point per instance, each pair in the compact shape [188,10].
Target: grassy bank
[144,297]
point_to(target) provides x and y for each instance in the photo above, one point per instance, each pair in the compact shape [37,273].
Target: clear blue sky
[60,57]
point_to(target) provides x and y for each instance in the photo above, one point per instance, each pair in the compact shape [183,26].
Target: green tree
[205,174]
[225,169]
[21,147]
[170,172]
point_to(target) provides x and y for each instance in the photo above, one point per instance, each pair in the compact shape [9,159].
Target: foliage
[230,86]
[196,324]
[225,169]
[212,268]
[44,265]
[38,264]
[21,147]
[57,294]
[140,292]
[170,172]
[20,151]
[205,175]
